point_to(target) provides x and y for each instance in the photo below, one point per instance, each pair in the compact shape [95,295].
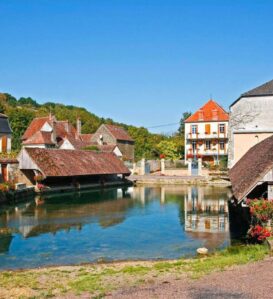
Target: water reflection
[131,223]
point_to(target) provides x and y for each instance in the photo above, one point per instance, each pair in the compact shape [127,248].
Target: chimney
[54,137]
[67,126]
[214,114]
[200,114]
[79,126]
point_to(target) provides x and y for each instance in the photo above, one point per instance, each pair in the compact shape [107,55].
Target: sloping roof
[251,168]
[64,128]
[107,148]
[4,124]
[119,133]
[67,163]
[35,126]
[211,111]
[86,137]
[265,89]
[39,138]
[78,143]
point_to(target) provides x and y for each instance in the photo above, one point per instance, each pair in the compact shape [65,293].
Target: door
[4,170]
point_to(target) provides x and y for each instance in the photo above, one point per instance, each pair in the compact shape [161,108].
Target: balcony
[207,136]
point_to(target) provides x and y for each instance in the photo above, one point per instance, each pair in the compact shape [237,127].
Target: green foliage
[181,129]
[28,102]
[22,112]
[19,120]
[169,149]
[91,148]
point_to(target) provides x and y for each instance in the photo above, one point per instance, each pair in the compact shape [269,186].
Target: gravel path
[254,280]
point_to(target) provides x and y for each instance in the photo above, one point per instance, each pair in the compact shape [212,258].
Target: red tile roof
[40,138]
[35,126]
[86,137]
[65,128]
[119,133]
[211,111]
[67,163]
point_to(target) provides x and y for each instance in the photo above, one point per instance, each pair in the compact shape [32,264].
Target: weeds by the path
[98,280]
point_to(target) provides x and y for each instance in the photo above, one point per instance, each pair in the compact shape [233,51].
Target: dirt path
[253,280]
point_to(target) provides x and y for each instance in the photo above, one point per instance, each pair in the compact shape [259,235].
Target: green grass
[100,279]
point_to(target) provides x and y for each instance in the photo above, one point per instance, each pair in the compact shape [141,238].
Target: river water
[114,224]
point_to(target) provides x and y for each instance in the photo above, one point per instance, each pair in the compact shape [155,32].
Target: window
[193,146]
[208,144]
[222,128]
[222,145]
[194,129]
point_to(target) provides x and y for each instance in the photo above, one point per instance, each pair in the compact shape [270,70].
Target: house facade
[115,135]
[206,134]
[251,121]
[5,148]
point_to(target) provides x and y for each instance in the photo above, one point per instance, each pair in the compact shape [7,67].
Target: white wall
[249,115]
[66,145]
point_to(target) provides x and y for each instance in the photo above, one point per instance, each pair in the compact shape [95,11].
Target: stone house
[251,121]
[206,133]
[48,132]
[115,135]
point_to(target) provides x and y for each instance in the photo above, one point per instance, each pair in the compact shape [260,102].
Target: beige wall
[244,141]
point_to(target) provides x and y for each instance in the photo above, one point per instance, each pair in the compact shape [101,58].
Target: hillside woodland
[147,145]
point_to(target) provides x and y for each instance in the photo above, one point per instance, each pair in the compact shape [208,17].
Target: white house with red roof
[206,133]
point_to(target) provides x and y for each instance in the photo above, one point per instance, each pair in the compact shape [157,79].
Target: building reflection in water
[202,211]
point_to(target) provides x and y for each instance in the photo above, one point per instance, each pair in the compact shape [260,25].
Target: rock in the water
[202,250]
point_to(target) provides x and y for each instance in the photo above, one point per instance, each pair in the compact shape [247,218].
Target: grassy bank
[101,279]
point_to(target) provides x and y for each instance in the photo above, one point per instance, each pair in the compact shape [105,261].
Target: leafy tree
[11,100]
[181,129]
[28,102]
[169,149]
[19,120]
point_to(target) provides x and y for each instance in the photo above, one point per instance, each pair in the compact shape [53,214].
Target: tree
[169,149]
[19,120]
[181,129]
[28,102]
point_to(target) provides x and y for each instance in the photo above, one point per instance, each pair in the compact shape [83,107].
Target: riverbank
[178,180]
[121,279]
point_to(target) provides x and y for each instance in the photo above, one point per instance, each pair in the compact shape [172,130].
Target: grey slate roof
[265,89]
[4,124]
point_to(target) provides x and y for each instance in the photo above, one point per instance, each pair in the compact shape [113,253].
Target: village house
[48,132]
[206,133]
[251,121]
[252,176]
[69,168]
[115,135]
[5,148]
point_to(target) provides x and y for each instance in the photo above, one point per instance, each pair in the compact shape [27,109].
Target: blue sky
[138,62]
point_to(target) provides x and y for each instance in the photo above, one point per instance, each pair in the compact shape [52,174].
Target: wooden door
[4,170]
[4,144]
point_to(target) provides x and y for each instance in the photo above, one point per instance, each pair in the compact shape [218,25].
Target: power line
[165,125]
